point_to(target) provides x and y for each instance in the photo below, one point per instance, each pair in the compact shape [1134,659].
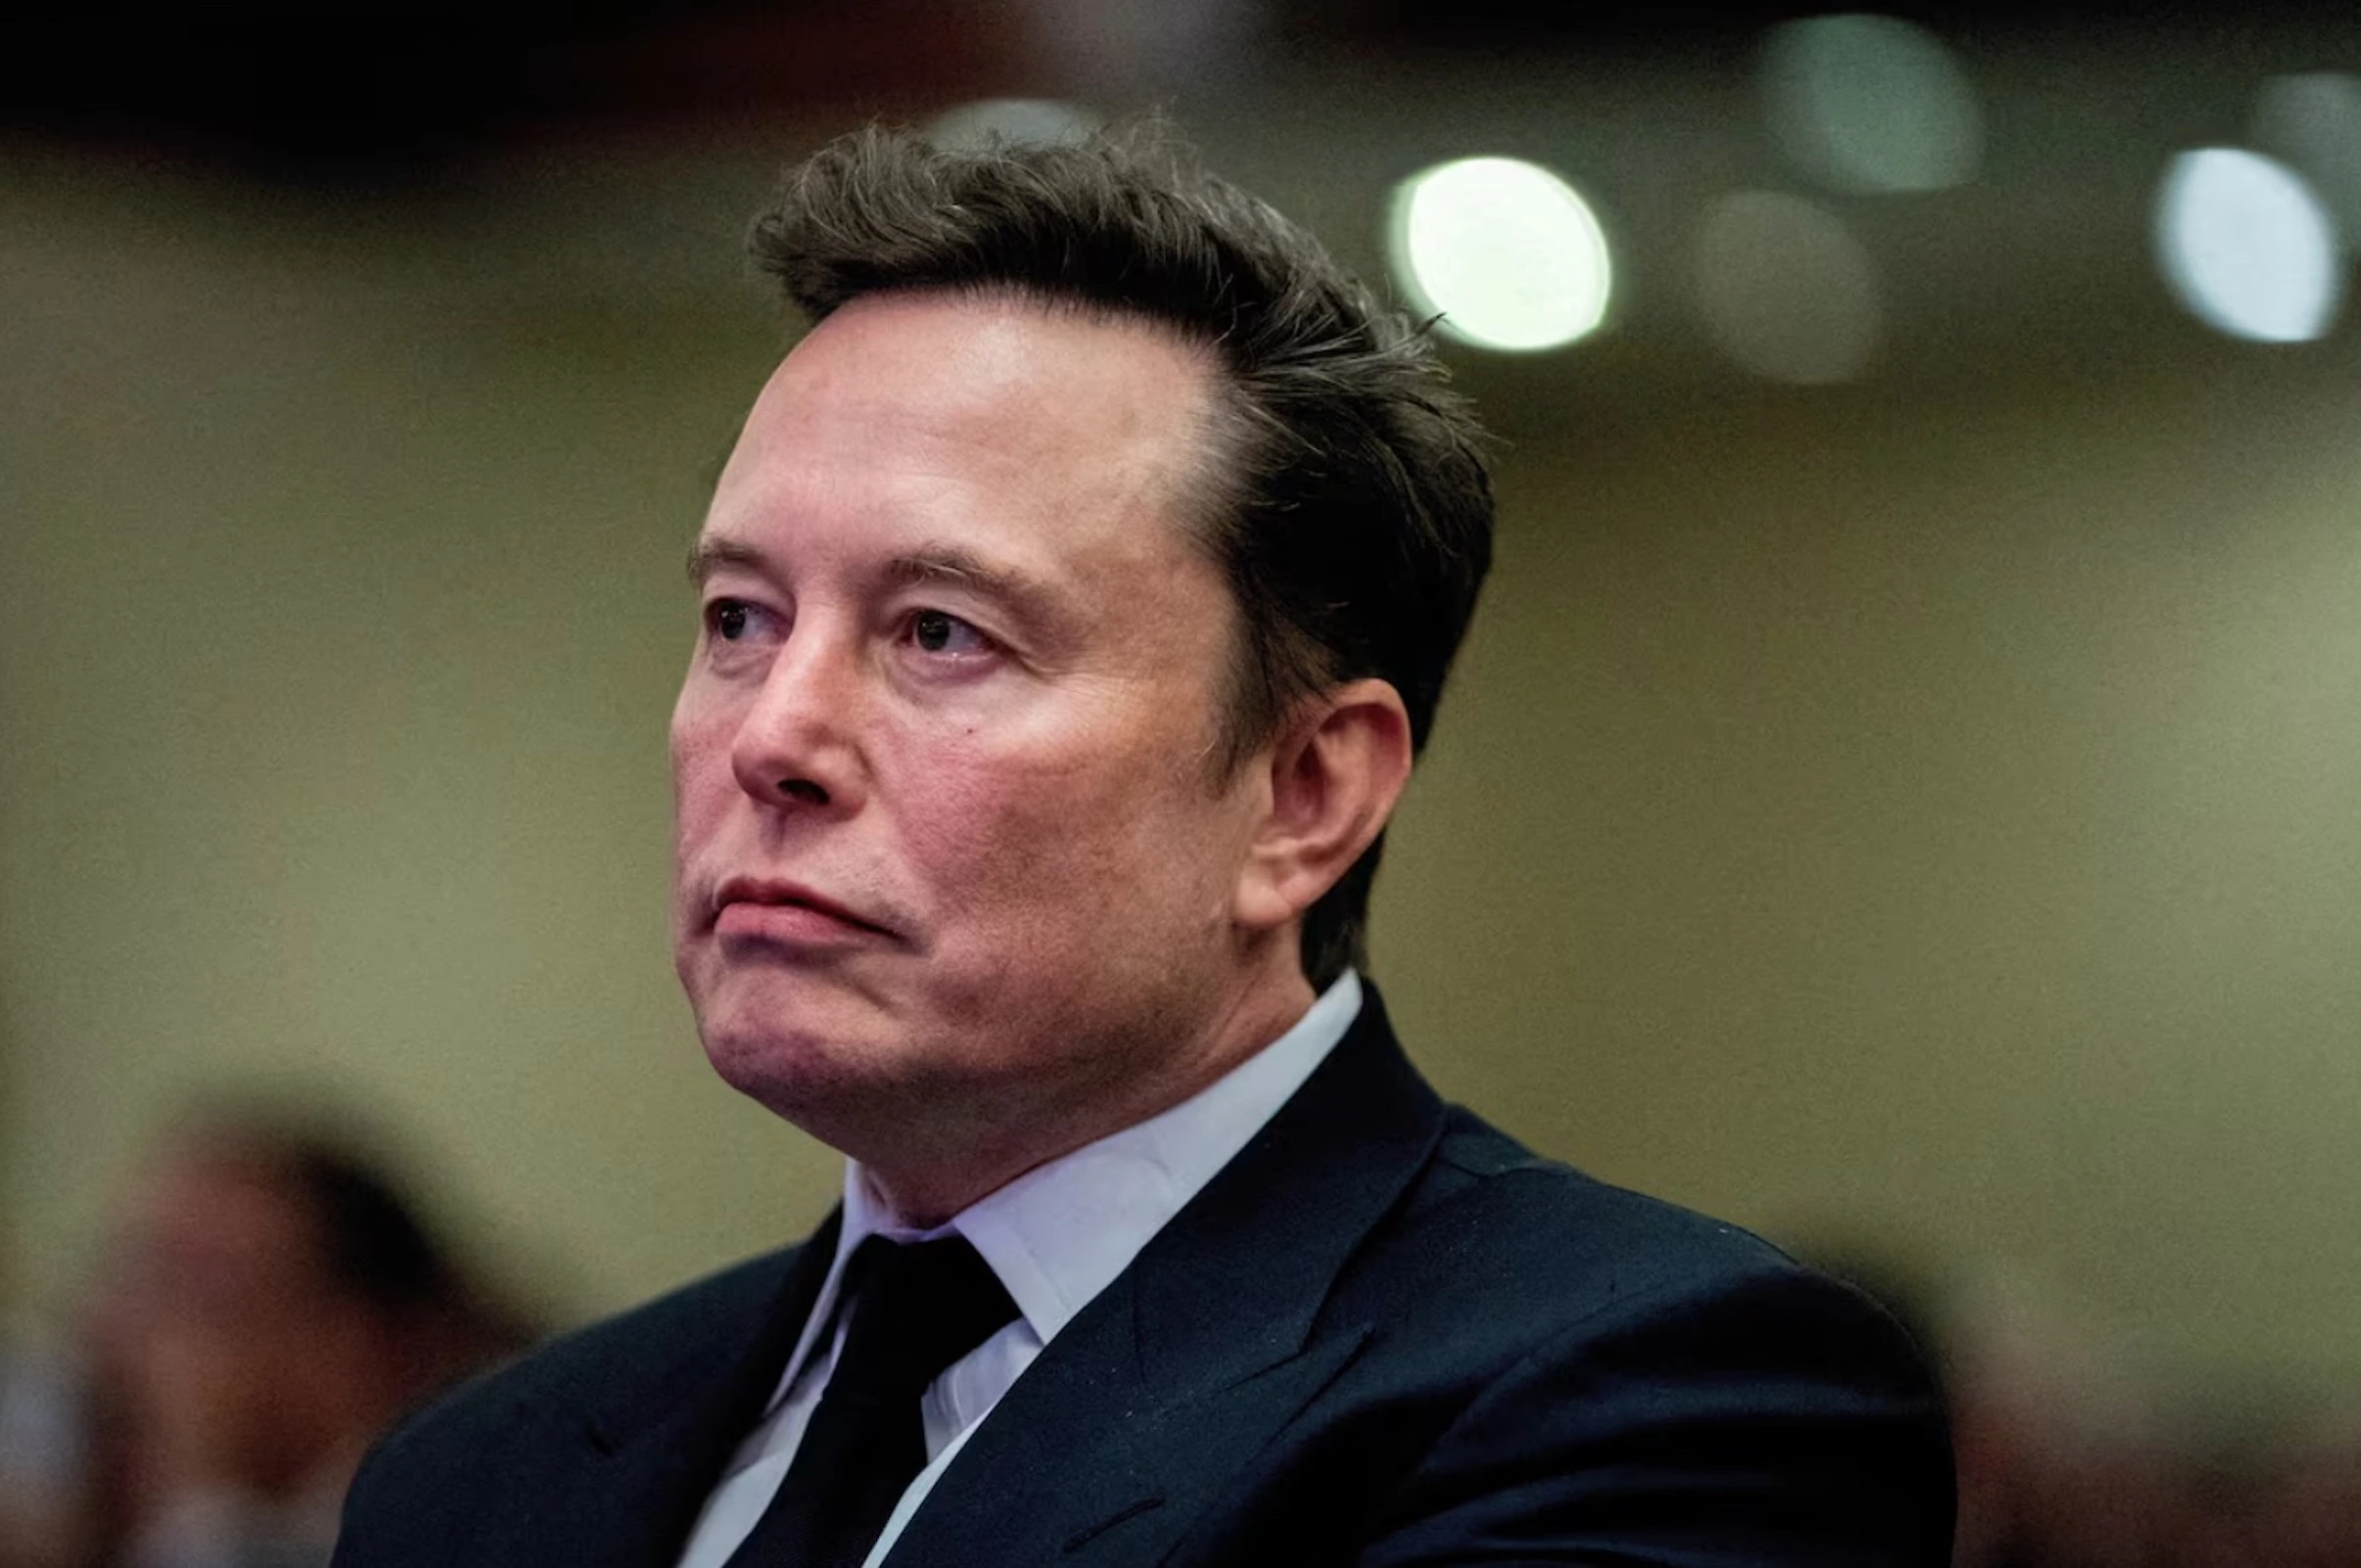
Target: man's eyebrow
[1036,602]
[955,564]
[708,556]
[1027,594]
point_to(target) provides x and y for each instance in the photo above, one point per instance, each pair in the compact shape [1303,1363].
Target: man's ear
[1335,773]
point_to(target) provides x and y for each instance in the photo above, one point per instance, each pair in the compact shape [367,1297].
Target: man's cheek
[703,785]
[979,846]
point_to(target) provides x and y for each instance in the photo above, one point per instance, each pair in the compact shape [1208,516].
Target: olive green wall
[343,603]
[1915,817]
[1928,824]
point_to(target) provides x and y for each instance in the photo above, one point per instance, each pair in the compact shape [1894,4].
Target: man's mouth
[786,911]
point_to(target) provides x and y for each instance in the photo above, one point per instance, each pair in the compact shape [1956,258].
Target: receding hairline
[1210,480]
[1046,299]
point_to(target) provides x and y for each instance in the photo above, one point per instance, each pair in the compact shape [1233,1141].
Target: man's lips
[786,911]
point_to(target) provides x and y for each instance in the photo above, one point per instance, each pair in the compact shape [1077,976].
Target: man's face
[950,849]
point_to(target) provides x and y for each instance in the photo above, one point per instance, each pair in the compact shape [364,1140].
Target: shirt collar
[1059,1234]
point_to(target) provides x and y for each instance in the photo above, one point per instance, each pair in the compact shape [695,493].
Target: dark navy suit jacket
[1384,1334]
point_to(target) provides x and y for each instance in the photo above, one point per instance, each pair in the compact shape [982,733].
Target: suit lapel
[656,1451]
[1125,1428]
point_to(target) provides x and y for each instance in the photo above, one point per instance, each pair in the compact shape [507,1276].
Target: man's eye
[937,632]
[728,618]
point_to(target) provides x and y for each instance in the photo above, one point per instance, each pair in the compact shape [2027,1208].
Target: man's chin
[767,1065]
[813,1075]
[751,1014]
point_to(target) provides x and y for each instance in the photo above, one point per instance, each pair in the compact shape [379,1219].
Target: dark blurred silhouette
[268,1305]
[2068,1457]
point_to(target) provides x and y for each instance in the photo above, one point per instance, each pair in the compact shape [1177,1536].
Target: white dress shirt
[1056,1236]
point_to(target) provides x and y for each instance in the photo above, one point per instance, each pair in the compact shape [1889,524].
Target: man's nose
[796,747]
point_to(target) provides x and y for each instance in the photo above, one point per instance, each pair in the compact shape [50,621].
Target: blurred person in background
[267,1304]
[2073,1454]
[42,1454]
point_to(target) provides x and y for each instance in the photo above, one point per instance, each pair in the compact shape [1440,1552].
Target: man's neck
[924,1193]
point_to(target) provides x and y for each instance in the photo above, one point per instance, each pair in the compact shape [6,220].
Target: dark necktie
[915,1310]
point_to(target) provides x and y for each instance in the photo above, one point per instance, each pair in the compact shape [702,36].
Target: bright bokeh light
[1871,104]
[2247,246]
[1507,253]
[2312,123]
[1785,288]
[1018,121]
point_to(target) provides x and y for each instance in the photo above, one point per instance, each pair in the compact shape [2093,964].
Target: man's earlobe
[1335,775]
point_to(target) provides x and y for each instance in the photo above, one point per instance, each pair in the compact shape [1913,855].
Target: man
[1073,605]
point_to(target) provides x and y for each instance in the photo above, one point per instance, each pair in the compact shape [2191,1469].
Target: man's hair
[1348,504]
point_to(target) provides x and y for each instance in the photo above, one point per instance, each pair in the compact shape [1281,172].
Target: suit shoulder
[692,1313]
[1584,1335]
[1536,1250]
[474,1475]
[1494,1190]
[636,1356]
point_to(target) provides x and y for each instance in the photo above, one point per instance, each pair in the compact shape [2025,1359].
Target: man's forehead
[997,393]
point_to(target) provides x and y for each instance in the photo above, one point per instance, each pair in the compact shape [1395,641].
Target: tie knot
[918,1307]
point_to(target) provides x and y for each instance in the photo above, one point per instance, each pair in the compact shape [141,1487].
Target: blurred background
[1899,793]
